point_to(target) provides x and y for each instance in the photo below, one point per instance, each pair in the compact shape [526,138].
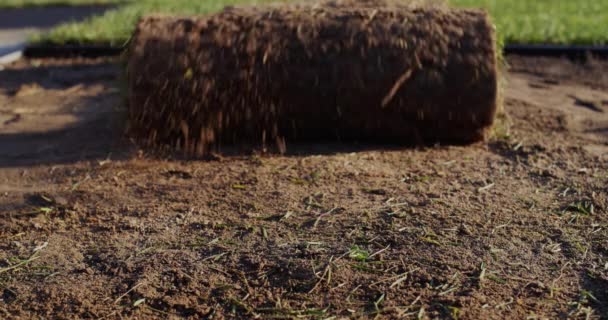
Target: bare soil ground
[90,227]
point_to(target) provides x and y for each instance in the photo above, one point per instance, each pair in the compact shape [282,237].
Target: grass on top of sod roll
[116,26]
[13,4]
[517,21]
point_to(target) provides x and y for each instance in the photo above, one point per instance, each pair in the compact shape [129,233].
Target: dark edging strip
[576,52]
[45,51]
[572,52]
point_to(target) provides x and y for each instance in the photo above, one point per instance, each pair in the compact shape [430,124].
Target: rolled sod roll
[267,76]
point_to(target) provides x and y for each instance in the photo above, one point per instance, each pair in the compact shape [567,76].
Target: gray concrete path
[12,41]
[16,25]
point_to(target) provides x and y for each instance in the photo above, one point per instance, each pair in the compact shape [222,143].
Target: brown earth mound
[325,71]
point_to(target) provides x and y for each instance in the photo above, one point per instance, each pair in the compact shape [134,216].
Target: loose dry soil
[91,227]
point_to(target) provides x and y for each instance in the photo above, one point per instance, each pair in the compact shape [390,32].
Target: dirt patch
[316,71]
[513,228]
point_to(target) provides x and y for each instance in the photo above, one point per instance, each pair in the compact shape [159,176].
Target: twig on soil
[482,273]
[421,313]
[244,279]
[378,252]
[377,304]
[21,263]
[500,227]
[243,306]
[264,233]
[215,257]
[450,290]
[388,204]
[314,226]
[220,271]
[352,292]
[286,215]
[486,188]
[77,184]
[504,304]
[52,275]
[399,278]
[326,272]
[415,301]
[10,237]
[129,291]
[561,274]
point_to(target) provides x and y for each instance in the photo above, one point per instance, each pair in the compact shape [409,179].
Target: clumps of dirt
[61,252]
[265,76]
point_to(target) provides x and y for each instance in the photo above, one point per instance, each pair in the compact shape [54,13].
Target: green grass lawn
[517,21]
[115,26]
[547,21]
[38,3]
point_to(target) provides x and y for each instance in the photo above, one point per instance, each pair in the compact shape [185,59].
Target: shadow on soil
[96,140]
[596,294]
[99,130]
[58,76]
[58,114]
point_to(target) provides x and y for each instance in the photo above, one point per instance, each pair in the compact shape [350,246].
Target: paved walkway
[16,25]
[12,41]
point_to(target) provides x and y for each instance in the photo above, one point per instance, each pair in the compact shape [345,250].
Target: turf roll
[267,76]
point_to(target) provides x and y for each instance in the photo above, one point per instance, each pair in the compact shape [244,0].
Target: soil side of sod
[516,227]
[343,72]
